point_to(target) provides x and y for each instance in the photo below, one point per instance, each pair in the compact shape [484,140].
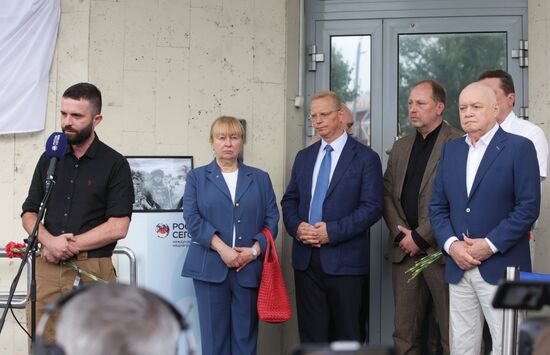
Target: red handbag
[273,302]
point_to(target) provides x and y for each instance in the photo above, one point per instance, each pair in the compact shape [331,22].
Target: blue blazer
[503,204]
[352,205]
[208,210]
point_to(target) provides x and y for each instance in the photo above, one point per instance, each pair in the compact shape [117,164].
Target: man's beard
[79,137]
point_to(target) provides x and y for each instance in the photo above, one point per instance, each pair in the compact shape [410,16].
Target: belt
[97,253]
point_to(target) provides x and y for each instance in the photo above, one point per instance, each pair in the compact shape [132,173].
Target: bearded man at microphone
[90,204]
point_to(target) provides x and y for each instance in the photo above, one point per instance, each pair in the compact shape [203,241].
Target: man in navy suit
[485,197]
[333,198]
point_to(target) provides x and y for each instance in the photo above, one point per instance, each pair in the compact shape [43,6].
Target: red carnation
[16,250]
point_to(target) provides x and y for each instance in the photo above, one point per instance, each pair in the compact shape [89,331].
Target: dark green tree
[455,60]
[340,77]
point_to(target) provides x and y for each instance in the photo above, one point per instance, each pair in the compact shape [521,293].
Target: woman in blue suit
[226,205]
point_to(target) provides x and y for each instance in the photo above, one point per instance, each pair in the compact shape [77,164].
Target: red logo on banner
[162,230]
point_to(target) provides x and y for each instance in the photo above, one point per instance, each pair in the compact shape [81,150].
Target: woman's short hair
[226,125]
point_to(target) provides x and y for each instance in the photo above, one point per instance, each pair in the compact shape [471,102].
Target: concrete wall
[167,69]
[539,113]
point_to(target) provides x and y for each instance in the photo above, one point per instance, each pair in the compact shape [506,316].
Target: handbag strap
[271,251]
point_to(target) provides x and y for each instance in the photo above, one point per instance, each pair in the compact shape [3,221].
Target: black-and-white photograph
[159,182]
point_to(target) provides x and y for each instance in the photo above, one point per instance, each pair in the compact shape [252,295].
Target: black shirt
[420,154]
[88,191]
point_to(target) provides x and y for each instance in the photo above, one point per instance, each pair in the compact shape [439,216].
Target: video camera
[526,294]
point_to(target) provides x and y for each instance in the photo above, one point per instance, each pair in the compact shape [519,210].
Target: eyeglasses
[322,115]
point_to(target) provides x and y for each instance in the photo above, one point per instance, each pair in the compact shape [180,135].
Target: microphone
[56,146]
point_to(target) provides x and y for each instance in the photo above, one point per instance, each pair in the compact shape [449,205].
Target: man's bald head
[347,120]
[478,109]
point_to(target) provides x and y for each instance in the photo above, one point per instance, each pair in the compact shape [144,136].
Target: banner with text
[160,241]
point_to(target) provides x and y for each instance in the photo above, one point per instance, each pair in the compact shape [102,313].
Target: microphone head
[56,145]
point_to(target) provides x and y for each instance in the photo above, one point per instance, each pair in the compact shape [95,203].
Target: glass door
[372,64]
[353,68]
[351,49]
[453,51]
[350,69]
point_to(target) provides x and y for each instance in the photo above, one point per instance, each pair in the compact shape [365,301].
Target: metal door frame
[326,18]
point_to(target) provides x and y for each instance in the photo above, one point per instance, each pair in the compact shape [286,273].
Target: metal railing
[510,320]
[133,263]
[20,298]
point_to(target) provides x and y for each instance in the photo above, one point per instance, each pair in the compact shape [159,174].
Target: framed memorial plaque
[159,182]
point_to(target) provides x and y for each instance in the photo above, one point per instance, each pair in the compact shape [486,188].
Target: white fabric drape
[28,33]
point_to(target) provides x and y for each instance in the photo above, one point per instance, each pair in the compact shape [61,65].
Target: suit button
[468,210]
[240,238]
[238,221]
[237,205]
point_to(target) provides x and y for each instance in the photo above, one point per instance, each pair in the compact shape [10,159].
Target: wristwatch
[254,252]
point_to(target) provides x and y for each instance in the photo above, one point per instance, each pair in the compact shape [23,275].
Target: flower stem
[75,267]
[19,249]
[422,264]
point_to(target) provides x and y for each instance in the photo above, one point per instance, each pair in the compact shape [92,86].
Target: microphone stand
[32,244]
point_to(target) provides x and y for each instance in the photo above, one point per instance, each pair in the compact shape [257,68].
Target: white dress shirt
[231,181]
[475,155]
[529,130]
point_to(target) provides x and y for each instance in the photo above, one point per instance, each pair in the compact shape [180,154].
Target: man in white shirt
[503,85]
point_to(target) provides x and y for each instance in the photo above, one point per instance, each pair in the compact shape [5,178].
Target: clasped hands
[238,257]
[469,253]
[407,244]
[313,235]
[56,249]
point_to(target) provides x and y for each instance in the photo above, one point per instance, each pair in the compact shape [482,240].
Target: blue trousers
[228,316]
